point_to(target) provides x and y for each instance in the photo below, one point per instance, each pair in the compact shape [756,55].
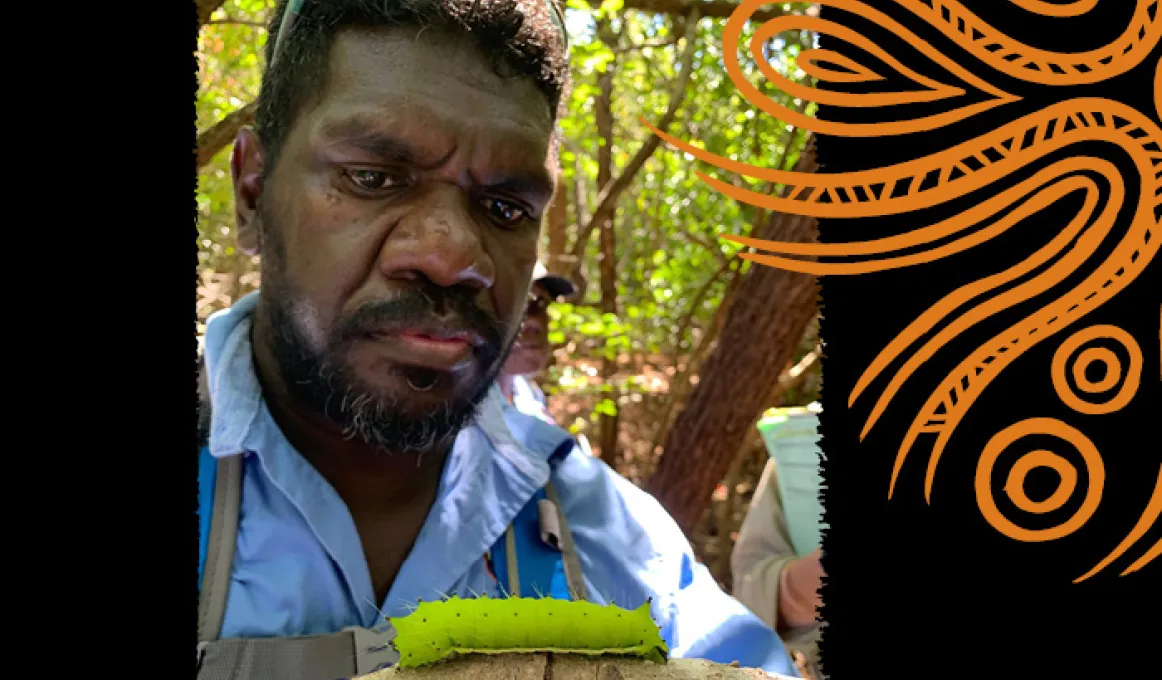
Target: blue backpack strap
[207,469]
[207,473]
[541,571]
[540,568]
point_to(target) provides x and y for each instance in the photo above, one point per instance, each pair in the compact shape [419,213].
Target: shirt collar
[236,395]
[496,464]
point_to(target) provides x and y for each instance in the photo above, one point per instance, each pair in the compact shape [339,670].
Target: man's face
[399,234]
[531,352]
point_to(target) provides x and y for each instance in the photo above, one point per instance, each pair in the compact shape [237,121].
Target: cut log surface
[569,667]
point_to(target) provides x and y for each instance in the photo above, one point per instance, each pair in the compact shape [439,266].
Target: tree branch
[700,240]
[707,8]
[611,192]
[680,384]
[666,42]
[581,209]
[216,138]
[695,303]
[653,218]
[793,379]
[206,9]
[234,22]
[760,215]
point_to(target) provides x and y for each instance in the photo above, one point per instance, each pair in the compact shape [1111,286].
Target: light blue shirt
[529,399]
[299,567]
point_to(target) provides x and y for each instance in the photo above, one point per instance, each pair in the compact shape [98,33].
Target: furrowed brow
[537,186]
[371,137]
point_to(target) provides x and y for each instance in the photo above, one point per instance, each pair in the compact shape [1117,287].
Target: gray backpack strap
[511,562]
[346,654]
[220,551]
[569,559]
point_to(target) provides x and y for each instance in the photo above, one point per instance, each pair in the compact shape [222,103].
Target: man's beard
[324,382]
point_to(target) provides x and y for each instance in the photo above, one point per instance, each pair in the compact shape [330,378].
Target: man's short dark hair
[519,36]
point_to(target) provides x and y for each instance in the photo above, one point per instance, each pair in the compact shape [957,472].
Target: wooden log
[569,667]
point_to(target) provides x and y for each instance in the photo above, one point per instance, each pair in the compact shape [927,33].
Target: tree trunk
[759,337]
[680,386]
[557,226]
[603,115]
[570,667]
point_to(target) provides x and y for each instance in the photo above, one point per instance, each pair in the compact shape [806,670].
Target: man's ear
[246,167]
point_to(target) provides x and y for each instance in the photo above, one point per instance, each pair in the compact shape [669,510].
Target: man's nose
[441,240]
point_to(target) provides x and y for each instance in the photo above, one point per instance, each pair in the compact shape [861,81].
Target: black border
[112,524]
[933,591]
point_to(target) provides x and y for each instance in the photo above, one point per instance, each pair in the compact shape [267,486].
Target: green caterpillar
[437,630]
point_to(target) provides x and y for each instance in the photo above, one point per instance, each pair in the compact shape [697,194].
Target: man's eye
[374,180]
[505,212]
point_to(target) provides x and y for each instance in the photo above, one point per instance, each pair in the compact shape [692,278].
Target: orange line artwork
[959,171]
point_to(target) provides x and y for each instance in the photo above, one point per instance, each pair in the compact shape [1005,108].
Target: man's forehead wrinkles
[425,136]
[426,60]
[426,106]
[435,105]
[384,134]
[427,66]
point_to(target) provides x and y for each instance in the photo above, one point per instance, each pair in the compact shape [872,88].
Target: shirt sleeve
[698,619]
[762,551]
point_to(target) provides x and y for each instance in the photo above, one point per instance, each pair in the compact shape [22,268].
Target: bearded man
[357,455]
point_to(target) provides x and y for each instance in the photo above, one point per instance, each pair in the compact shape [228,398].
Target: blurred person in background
[779,586]
[532,351]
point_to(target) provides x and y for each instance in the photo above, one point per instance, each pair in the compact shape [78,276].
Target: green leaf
[606,407]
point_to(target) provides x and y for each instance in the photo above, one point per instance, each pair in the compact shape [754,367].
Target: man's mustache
[452,308]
